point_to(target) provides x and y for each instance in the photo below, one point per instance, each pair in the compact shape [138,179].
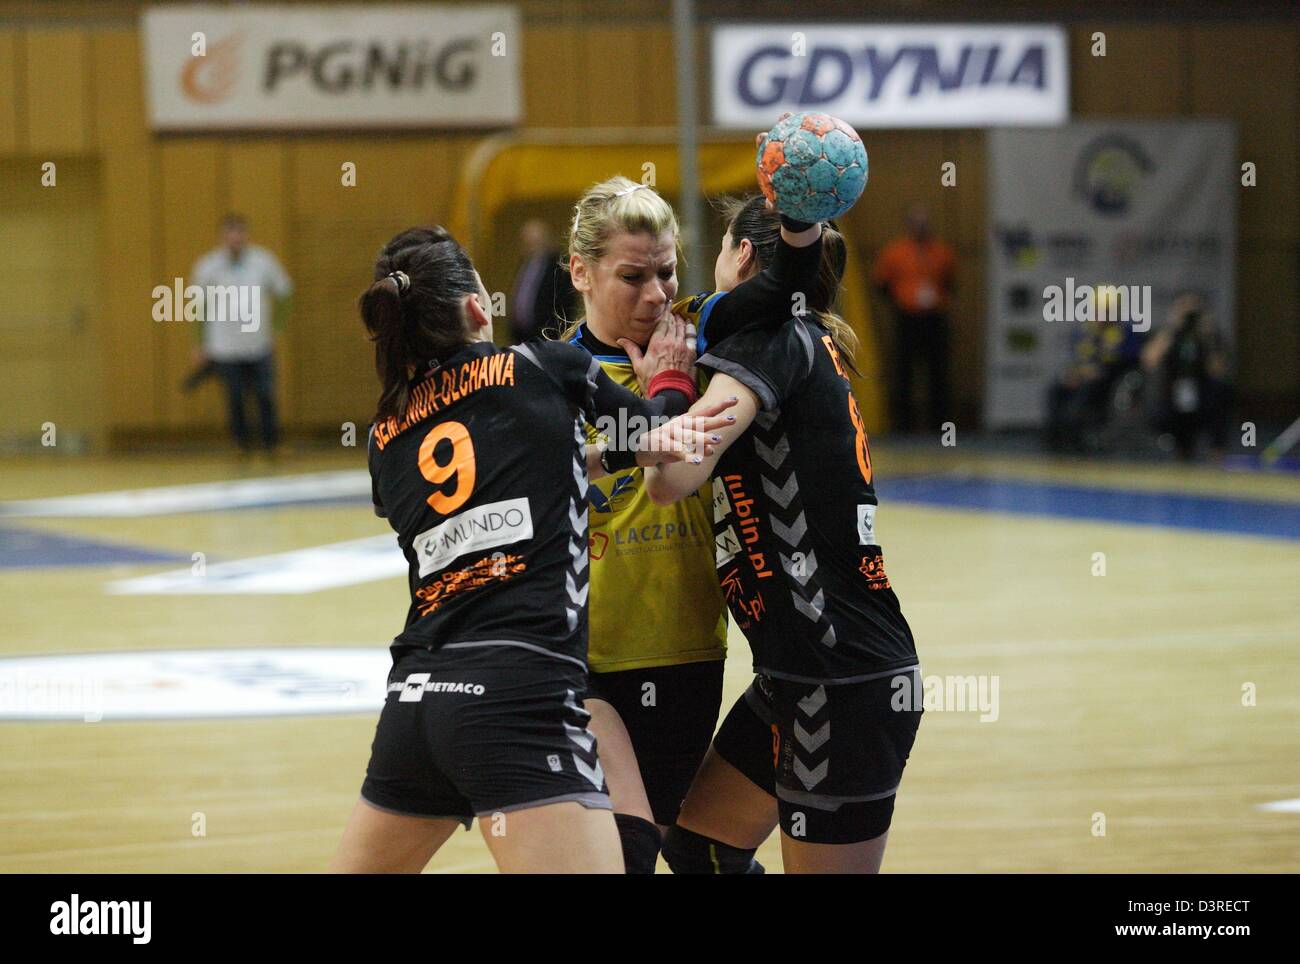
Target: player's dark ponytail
[749,218]
[413,310]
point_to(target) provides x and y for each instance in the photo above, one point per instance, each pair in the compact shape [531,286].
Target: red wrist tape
[672,378]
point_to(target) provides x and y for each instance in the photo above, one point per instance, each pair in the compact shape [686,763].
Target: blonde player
[658,624]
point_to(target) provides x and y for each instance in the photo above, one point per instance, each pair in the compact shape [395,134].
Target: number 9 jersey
[484,479]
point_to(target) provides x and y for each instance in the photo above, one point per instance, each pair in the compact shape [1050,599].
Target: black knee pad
[641,841]
[687,852]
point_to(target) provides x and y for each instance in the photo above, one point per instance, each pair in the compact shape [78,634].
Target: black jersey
[794,515]
[484,480]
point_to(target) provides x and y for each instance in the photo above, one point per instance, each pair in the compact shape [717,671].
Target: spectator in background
[242,348]
[1188,367]
[543,293]
[916,272]
[1078,401]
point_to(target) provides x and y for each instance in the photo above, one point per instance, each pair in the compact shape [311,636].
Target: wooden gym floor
[1122,699]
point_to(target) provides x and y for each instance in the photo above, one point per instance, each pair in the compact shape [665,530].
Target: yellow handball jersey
[654,598]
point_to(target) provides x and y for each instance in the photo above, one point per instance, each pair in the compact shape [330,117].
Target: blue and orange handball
[812,166]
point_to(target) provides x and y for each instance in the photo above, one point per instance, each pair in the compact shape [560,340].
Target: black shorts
[670,713]
[479,731]
[832,754]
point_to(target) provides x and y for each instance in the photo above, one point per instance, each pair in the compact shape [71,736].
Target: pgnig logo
[1109,171]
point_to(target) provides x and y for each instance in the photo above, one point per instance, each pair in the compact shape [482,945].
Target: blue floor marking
[1178,510]
[33,549]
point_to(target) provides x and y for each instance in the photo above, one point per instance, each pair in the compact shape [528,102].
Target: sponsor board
[892,75]
[338,67]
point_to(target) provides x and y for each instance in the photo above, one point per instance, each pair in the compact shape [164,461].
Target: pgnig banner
[897,75]
[241,67]
[1100,224]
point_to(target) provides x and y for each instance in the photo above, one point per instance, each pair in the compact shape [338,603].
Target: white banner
[1149,207]
[345,67]
[897,75]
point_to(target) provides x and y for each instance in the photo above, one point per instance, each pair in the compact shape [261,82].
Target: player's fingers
[675,446]
[712,423]
[679,454]
[717,408]
[632,349]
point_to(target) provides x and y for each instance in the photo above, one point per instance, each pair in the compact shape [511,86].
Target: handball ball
[812,166]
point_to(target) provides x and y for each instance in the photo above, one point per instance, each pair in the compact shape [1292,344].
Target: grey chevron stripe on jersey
[585,759]
[579,596]
[800,573]
[578,522]
[811,704]
[578,519]
[812,741]
[812,608]
[781,495]
[775,455]
[789,534]
[579,554]
[810,778]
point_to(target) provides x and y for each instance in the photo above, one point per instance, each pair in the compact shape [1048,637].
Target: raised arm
[767,297]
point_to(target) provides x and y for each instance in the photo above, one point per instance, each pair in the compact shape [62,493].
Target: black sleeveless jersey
[794,515]
[484,480]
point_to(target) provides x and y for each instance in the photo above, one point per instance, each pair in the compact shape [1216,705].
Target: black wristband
[617,460]
[790,224]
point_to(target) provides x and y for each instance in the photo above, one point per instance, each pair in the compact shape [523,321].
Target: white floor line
[281,573]
[195,497]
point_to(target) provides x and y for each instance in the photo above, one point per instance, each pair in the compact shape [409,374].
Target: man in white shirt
[247,299]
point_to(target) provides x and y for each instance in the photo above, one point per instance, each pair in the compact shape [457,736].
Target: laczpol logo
[892,76]
[333,66]
[483,527]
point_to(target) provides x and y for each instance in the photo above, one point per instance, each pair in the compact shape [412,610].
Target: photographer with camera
[1188,364]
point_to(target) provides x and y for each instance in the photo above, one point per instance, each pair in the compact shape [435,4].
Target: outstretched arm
[672,481]
[653,437]
[767,297]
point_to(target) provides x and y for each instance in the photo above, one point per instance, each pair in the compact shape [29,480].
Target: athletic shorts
[832,753]
[670,713]
[479,731]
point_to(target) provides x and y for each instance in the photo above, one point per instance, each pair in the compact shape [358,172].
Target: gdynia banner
[895,75]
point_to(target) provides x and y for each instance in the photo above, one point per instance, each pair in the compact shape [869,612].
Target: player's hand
[671,347]
[200,357]
[686,438]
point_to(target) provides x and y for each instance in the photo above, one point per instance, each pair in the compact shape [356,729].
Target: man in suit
[543,292]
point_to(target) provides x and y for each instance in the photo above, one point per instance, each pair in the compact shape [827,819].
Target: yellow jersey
[655,599]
